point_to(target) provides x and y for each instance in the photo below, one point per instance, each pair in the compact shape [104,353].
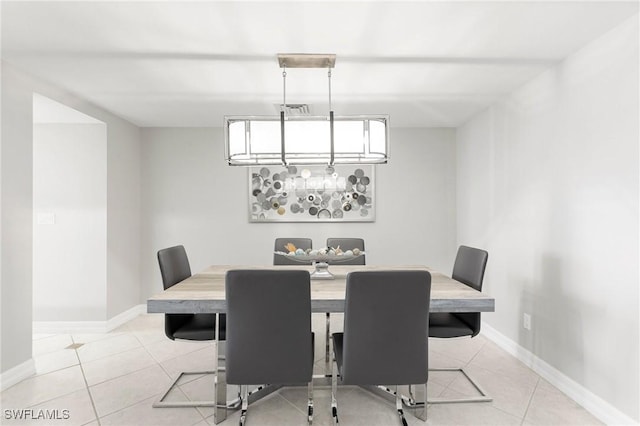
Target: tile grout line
[130,405]
[133,372]
[121,375]
[508,413]
[292,404]
[447,355]
[49,352]
[93,404]
[524,416]
[56,397]
[52,371]
[476,354]
[103,339]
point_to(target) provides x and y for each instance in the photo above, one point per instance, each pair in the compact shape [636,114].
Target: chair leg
[244,394]
[334,392]
[161,403]
[419,402]
[310,402]
[483,398]
[327,355]
[399,408]
[418,407]
[219,404]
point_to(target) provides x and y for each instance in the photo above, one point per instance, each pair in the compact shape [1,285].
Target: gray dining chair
[174,268]
[347,244]
[469,268]
[389,349]
[269,338]
[302,243]
[344,244]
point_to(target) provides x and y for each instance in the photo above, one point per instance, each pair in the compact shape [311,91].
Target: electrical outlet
[527,322]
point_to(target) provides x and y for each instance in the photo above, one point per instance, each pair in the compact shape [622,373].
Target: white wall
[70,182]
[123,210]
[16,214]
[548,184]
[123,215]
[192,197]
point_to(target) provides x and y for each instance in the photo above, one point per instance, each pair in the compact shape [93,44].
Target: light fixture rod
[284,161]
[329,73]
[284,105]
[284,88]
[331,160]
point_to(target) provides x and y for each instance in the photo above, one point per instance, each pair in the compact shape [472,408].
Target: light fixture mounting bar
[307,60]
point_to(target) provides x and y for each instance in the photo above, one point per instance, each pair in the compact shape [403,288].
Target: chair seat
[444,324]
[201,327]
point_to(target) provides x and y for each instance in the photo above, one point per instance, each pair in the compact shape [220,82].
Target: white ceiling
[189,64]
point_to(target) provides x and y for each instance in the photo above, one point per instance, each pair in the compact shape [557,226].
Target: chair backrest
[469,266]
[174,265]
[348,244]
[469,269]
[268,336]
[302,243]
[385,327]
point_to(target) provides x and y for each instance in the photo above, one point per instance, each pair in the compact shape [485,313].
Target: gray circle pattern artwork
[324,193]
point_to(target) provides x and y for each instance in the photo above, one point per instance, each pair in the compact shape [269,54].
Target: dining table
[204,292]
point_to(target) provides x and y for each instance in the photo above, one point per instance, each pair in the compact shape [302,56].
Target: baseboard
[597,406]
[17,374]
[76,327]
[125,316]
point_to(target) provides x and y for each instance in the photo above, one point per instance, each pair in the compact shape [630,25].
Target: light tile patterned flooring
[113,378]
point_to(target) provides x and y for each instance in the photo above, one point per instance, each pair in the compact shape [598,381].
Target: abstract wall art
[312,194]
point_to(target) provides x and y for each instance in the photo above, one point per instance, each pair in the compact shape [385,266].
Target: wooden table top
[204,292]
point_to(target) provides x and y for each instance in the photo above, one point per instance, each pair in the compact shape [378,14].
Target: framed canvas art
[341,193]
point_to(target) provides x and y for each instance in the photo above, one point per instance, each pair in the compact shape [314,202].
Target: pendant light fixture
[289,140]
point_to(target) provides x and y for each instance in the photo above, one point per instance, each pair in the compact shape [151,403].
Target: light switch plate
[527,322]
[46,218]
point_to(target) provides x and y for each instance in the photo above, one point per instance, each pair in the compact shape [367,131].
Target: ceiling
[190,63]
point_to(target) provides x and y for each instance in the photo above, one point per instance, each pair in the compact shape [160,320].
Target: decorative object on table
[321,258]
[295,137]
[286,244]
[353,244]
[312,194]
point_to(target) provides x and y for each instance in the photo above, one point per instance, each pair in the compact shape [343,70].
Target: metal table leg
[220,409]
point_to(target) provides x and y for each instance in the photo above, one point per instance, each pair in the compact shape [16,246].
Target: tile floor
[113,378]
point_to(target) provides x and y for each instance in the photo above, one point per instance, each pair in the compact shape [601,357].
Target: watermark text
[33,414]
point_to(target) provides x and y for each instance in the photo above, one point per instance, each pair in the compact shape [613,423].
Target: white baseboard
[17,374]
[125,316]
[69,327]
[597,406]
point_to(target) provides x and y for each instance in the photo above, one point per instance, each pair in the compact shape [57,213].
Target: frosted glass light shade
[255,140]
